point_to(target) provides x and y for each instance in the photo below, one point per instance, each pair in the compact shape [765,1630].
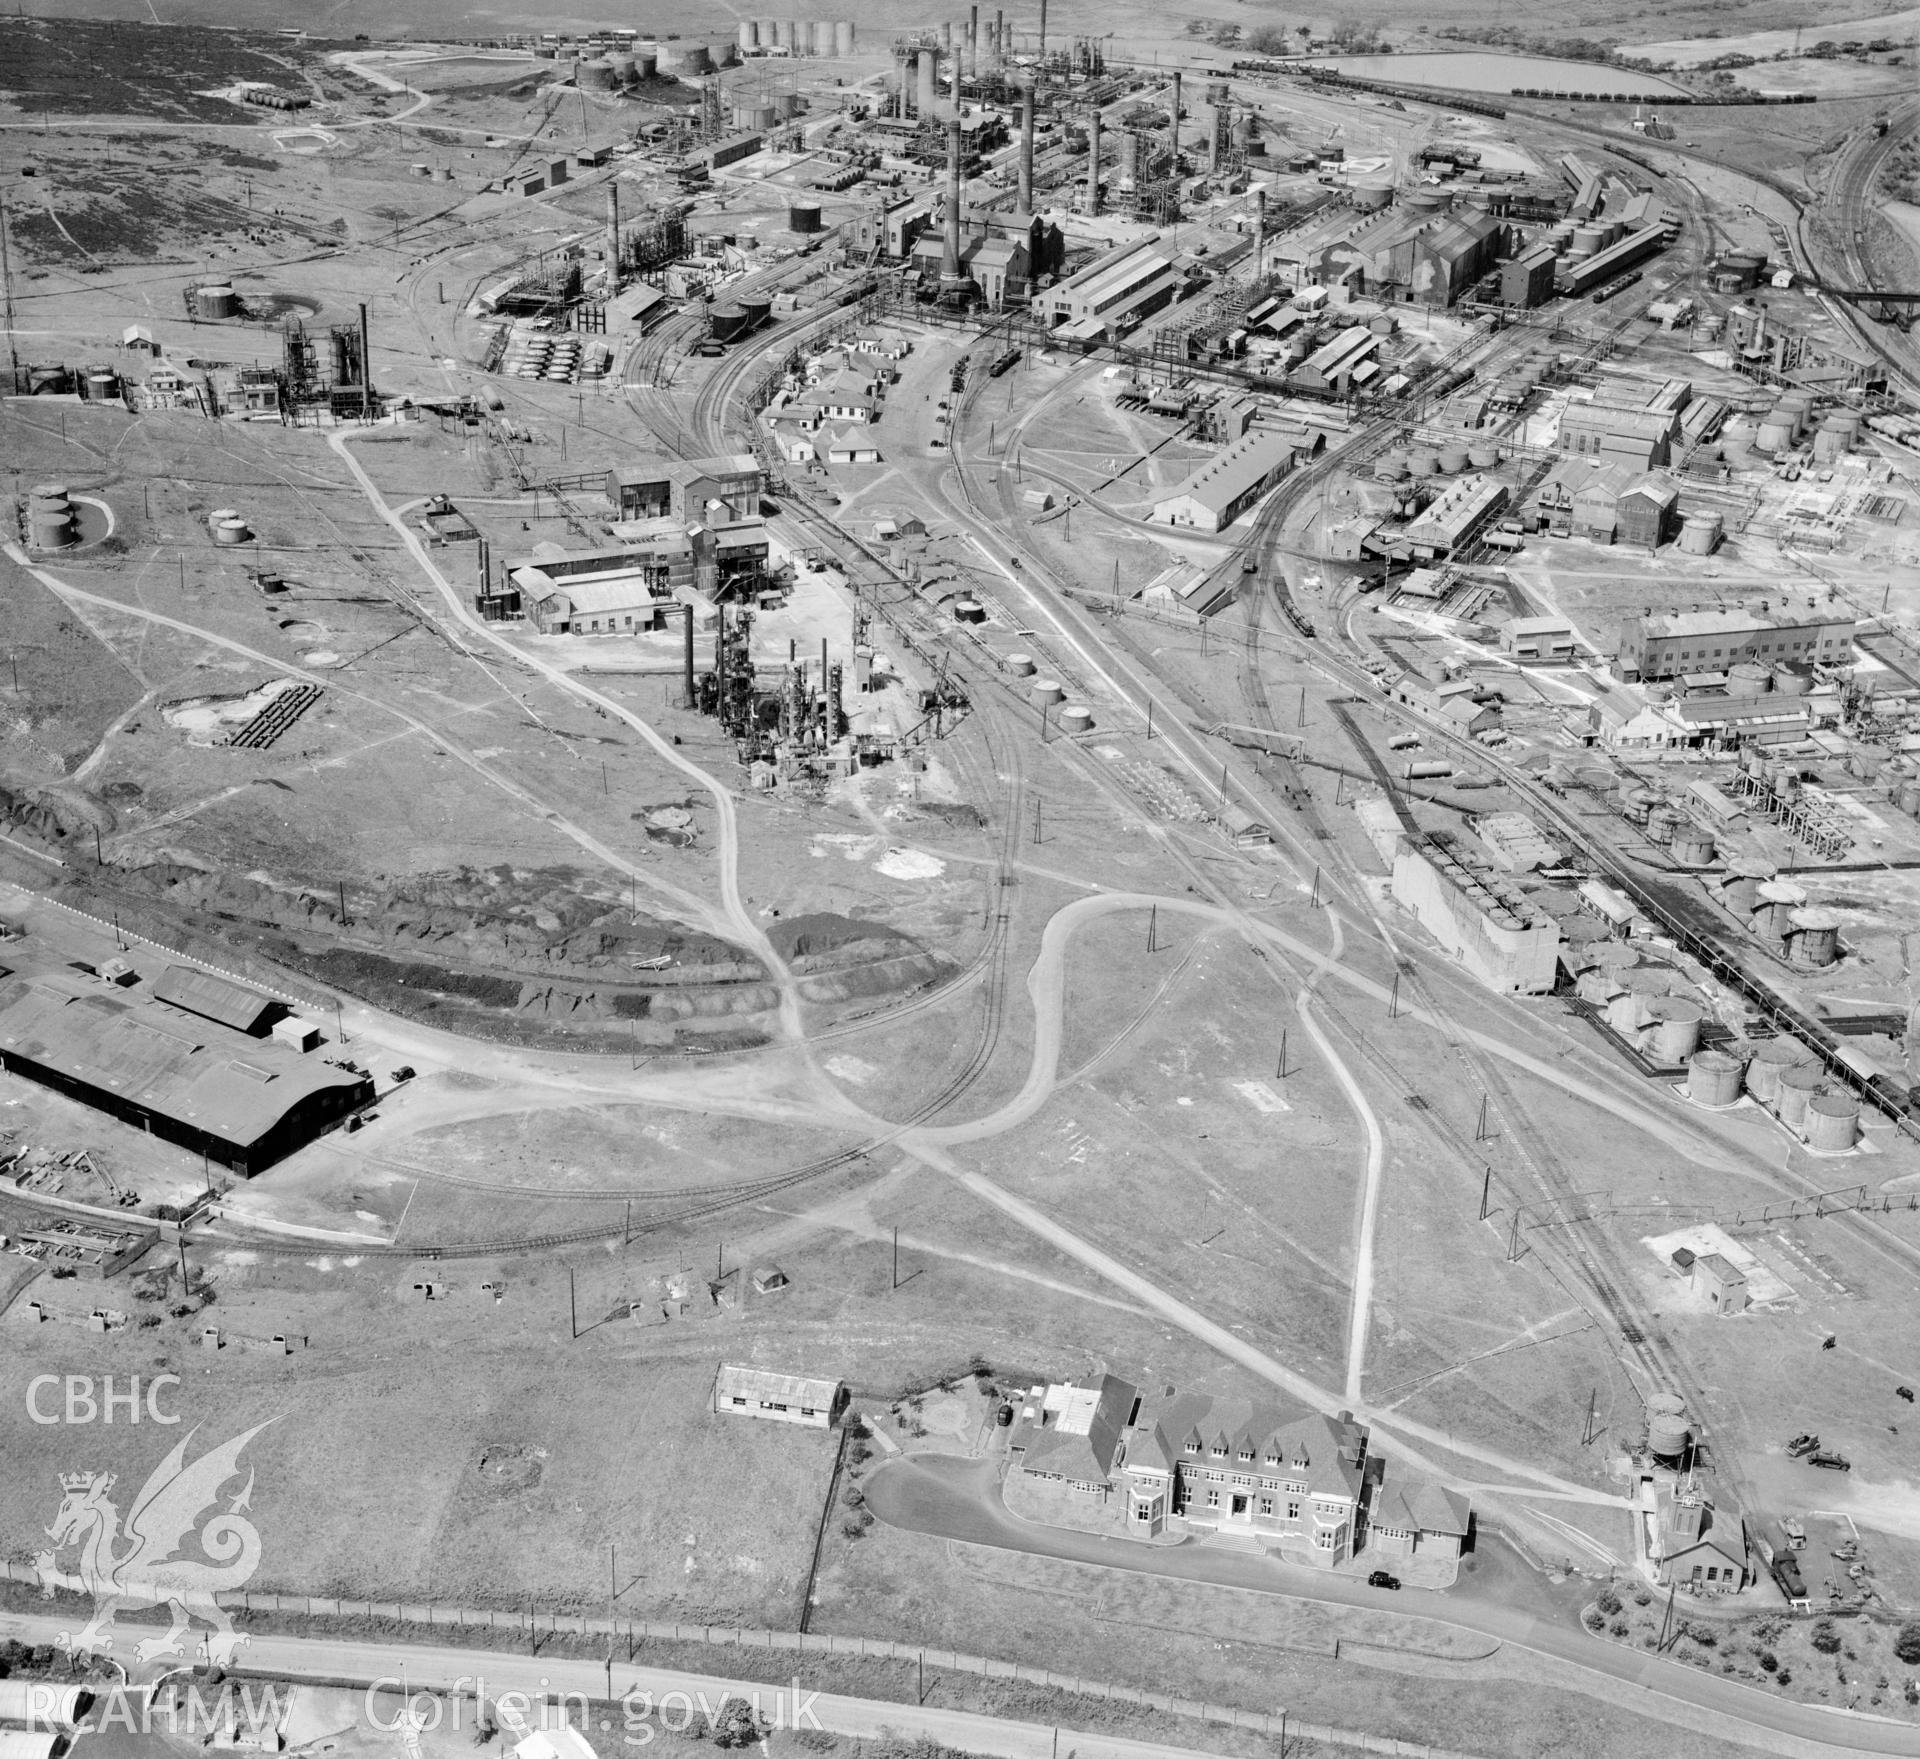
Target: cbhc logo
[80,1405]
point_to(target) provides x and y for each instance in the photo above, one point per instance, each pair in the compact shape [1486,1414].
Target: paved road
[959,1499]
[456,1671]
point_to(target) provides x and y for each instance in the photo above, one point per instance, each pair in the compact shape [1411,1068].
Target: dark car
[1004,1416]
[1380,1579]
[1830,1462]
[1904,1392]
[404,1072]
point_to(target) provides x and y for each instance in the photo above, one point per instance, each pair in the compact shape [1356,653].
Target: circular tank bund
[1776,1055]
[1676,1028]
[803,217]
[1047,690]
[1797,1087]
[1020,665]
[1076,718]
[1832,1122]
[1713,1078]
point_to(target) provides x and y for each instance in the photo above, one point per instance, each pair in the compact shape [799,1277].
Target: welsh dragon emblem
[140,1565]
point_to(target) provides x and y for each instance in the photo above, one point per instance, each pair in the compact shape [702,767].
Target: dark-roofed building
[185,1077]
[1172,1462]
[214,998]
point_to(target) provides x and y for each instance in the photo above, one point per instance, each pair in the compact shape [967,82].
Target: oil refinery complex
[1051,693]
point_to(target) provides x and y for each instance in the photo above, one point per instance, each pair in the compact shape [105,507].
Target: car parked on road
[1381,1579]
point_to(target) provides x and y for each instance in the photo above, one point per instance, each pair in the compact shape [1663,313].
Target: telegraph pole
[6,295]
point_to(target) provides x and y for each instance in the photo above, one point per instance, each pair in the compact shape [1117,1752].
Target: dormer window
[1218,1450]
[1245,1454]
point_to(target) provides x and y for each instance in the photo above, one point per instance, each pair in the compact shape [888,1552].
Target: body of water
[1499,75]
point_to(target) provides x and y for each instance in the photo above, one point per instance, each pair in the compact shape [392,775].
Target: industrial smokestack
[999,41]
[1259,228]
[1173,117]
[1093,164]
[1043,33]
[924,107]
[973,42]
[950,275]
[1026,148]
[366,368]
[946,36]
[613,237]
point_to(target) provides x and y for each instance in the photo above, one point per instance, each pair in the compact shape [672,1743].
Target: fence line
[532,1625]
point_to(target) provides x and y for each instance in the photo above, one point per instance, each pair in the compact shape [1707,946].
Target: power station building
[186,1059]
[1669,645]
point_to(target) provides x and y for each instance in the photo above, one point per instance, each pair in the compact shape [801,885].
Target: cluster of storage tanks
[1776,912]
[1666,826]
[1637,1004]
[51,524]
[798,36]
[1393,467]
[227,527]
[612,73]
[1794,422]
[1785,1077]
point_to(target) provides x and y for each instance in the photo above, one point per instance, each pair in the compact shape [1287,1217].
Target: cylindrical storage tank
[1424,201]
[1611,955]
[646,64]
[788,104]
[689,58]
[1749,678]
[1907,797]
[1076,717]
[1627,1012]
[843,37]
[1372,193]
[1713,1078]
[49,491]
[803,217]
[1692,847]
[624,69]
[220,515]
[1774,908]
[783,32]
[1423,464]
[1699,534]
[215,299]
[596,76]
[969,611]
[1587,241]
[725,54]
[726,321]
[1775,434]
[52,531]
[1741,896]
[1020,665]
[1829,443]
[231,531]
[1790,681]
[747,34]
[1045,691]
[102,383]
[758,307]
[1453,460]
[1483,457]
[1769,1061]
[1676,1028]
[1797,1086]
[1660,825]
[1668,1431]
[1832,1123]
[1813,937]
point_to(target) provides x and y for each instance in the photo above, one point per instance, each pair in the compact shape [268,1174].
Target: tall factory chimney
[1043,33]
[973,42]
[951,277]
[613,236]
[366,368]
[1026,148]
[1093,162]
[999,41]
[1173,116]
[924,107]
[1259,229]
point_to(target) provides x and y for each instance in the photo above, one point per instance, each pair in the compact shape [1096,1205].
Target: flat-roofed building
[1671,644]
